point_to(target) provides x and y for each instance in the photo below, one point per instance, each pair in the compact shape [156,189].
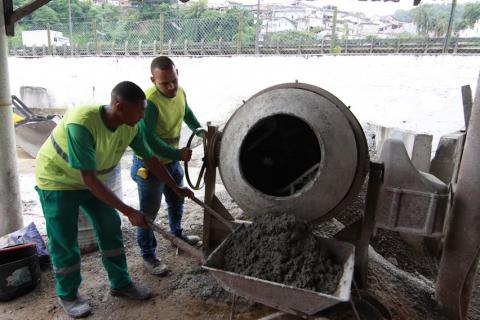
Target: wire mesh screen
[209,36]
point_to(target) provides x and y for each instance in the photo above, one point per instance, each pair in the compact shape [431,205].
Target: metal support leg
[462,244]
[214,231]
[361,250]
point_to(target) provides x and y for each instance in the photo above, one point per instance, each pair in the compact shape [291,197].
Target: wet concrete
[281,249]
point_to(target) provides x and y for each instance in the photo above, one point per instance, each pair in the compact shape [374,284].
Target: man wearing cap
[167,109]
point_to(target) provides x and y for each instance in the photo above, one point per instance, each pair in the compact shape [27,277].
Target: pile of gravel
[282,249]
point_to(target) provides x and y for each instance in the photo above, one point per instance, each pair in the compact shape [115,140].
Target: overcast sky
[368,7]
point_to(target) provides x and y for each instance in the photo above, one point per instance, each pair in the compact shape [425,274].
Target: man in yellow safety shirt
[167,109]
[71,168]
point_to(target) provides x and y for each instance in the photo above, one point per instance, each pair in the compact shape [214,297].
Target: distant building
[278,25]
[368,29]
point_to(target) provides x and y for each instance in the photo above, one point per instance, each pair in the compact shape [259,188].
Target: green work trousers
[60,208]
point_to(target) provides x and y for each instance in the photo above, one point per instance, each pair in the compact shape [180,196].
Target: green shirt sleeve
[140,146]
[80,147]
[148,125]
[190,118]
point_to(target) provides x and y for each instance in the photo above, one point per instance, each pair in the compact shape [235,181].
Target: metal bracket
[12,16]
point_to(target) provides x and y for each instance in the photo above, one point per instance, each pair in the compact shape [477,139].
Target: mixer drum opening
[293,148]
[280,155]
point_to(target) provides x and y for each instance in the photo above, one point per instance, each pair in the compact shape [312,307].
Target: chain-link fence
[208,36]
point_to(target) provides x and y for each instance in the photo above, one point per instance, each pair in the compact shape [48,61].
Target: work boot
[75,307]
[155,266]
[191,240]
[134,291]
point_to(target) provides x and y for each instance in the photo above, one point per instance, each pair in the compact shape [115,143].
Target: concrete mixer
[297,148]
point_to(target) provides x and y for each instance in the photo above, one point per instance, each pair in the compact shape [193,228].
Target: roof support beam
[11,16]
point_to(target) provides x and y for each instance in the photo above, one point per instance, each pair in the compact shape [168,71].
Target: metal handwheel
[197,186]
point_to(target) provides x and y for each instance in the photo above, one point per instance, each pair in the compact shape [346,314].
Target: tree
[431,19]
[471,14]
[196,9]
[403,15]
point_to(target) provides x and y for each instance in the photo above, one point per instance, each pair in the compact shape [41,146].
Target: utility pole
[10,204]
[449,29]
[70,25]
[258,28]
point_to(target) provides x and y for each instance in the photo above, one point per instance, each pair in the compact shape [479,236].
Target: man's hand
[184,192]
[137,218]
[186,154]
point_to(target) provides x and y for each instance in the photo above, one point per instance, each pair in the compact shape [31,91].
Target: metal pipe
[10,206]
[462,243]
[449,28]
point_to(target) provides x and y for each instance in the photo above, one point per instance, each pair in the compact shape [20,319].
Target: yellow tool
[142,173]
[17,118]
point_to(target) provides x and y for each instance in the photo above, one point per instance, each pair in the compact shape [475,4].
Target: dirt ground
[401,278]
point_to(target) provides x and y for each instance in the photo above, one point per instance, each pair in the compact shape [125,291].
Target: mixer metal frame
[359,233]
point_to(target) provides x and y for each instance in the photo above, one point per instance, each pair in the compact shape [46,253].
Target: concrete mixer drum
[293,148]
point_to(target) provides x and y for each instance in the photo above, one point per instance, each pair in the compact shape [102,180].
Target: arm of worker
[148,124]
[159,170]
[81,155]
[154,165]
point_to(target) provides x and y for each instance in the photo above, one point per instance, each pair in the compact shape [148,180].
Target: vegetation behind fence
[216,36]
[161,28]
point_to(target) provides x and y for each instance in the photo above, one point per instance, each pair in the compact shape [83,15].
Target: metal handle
[197,186]
[179,243]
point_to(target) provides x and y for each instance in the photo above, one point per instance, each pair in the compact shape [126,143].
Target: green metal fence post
[240,32]
[162,30]
[94,29]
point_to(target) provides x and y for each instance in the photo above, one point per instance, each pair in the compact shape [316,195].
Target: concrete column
[10,205]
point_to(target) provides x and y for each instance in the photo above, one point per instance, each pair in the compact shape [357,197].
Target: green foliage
[196,10]
[471,14]
[431,19]
[291,37]
[195,22]
[408,36]
[337,50]
[403,15]
[16,41]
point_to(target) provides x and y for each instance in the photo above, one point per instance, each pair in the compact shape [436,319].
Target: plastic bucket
[87,240]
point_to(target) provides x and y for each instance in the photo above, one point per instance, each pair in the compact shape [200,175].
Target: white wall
[416,93]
